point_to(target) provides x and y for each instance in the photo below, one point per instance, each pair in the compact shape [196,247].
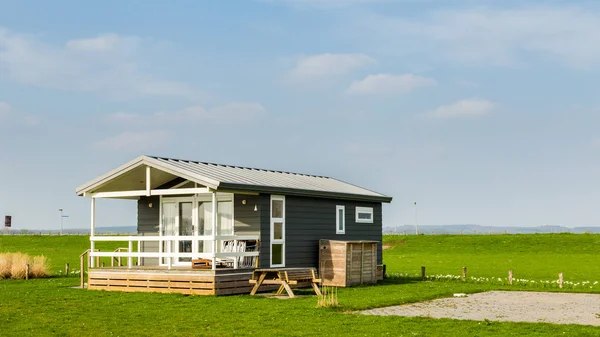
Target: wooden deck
[177,280]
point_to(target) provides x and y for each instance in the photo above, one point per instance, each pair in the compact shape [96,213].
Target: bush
[5,264]
[18,269]
[14,265]
[39,268]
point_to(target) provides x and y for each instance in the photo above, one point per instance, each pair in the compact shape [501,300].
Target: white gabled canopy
[132,176]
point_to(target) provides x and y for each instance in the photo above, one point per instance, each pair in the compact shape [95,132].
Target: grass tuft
[5,265]
[14,266]
[18,269]
[39,268]
[328,298]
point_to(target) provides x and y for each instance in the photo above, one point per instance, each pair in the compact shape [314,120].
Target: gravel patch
[510,306]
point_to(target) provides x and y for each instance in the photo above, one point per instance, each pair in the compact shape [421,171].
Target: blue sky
[483,112]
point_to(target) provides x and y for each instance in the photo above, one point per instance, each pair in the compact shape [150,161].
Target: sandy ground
[513,306]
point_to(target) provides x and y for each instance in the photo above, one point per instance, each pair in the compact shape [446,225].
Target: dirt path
[513,306]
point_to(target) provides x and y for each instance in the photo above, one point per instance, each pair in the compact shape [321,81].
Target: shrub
[39,268]
[18,270]
[14,265]
[5,264]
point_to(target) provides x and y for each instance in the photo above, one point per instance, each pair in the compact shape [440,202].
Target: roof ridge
[240,167]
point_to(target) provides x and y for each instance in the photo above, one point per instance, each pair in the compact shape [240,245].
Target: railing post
[82,270]
[129,250]
[236,258]
[214,230]
[139,259]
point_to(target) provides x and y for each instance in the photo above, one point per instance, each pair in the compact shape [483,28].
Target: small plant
[5,265]
[18,270]
[39,268]
[328,298]
[14,265]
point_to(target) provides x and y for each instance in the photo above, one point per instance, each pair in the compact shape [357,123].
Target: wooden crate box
[347,263]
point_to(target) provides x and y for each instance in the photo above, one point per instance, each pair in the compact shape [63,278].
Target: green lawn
[536,257]
[52,307]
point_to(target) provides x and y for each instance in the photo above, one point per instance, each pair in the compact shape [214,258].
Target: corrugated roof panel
[236,175]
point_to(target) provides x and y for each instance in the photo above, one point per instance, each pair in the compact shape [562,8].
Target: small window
[340,219]
[364,214]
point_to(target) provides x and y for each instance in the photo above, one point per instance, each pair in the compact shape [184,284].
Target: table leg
[288,289]
[280,290]
[316,288]
[261,278]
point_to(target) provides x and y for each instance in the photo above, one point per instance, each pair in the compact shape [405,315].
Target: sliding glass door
[192,216]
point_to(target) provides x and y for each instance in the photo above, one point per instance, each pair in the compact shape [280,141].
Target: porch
[223,281]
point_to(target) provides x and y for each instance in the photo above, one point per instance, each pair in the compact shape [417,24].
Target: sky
[483,112]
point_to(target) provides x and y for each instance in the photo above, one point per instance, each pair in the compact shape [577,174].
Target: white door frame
[272,236]
[175,243]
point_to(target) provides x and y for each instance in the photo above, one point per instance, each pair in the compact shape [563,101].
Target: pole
[61,220]
[416,220]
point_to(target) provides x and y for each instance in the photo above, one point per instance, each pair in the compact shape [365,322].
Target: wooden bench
[285,277]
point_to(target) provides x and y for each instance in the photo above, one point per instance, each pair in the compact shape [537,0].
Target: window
[340,219]
[277,231]
[364,214]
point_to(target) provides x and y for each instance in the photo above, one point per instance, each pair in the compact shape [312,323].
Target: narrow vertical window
[277,231]
[340,219]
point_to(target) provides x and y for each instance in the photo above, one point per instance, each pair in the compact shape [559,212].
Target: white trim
[214,228]
[337,219]
[148,181]
[139,193]
[92,228]
[368,210]
[154,163]
[272,239]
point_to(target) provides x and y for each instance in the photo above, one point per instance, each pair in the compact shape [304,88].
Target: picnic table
[285,277]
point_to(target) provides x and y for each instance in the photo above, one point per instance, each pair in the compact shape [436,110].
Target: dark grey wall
[148,221]
[310,219]
[247,221]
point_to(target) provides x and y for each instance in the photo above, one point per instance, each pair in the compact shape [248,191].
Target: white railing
[169,255]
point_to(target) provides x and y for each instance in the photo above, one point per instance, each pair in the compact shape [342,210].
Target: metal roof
[228,177]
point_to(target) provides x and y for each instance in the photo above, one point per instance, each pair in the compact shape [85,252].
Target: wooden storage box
[347,263]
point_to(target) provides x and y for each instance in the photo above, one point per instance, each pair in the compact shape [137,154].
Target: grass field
[52,307]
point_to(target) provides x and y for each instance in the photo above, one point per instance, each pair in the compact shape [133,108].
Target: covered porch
[184,221]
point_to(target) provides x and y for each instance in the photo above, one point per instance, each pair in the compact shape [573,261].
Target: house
[229,219]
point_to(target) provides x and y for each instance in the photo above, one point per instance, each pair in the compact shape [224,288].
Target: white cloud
[135,141]
[463,108]
[102,43]
[230,113]
[322,65]
[389,84]
[494,37]
[8,114]
[109,64]
[324,3]
[5,110]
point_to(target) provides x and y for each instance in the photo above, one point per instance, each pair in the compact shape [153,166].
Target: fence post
[66,269]
[81,270]
[464,273]
[510,277]
[560,280]
[423,273]
[27,271]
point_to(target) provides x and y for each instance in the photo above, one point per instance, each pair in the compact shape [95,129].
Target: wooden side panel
[183,283]
[344,264]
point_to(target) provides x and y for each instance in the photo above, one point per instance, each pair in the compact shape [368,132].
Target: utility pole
[61,220]
[416,220]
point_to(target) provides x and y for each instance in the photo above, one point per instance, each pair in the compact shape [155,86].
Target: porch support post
[148,187]
[92,229]
[214,230]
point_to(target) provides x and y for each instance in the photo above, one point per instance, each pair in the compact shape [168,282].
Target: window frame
[369,210]
[337,219]
[272,232]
